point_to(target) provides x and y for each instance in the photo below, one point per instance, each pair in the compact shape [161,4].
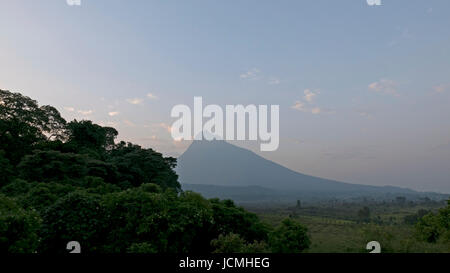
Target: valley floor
[337,229]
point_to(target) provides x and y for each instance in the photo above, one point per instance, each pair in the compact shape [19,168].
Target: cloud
[108,124]
[85,112]
[69,109]
[441,88]
[299,105]
[274,81]
[129,123]
[151,96]
[309,95]
[165,126]
[384,86]
[316,110]
[251,74]
[112,114]
[134,101]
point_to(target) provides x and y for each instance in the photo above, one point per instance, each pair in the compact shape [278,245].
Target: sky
[364,91]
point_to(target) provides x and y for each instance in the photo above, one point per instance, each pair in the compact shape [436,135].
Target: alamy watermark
[73,2]
[374,2]
[235,124]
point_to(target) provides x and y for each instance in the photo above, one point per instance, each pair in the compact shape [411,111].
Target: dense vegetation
[347,226]
[70,181]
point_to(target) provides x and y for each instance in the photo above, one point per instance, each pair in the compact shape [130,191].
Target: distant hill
[210,167]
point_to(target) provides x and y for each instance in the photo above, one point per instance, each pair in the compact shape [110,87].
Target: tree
[52,166]
[7,169]
[364,214]
[23,124]
[71,182]
[414,218]
[433,227]
[289,237]
[230,243]
[89,137]
[233,243]
[228,218]
[69,168]
[137,166]
[18,228]
[78,216]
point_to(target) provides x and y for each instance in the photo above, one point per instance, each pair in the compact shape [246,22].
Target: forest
[74,181]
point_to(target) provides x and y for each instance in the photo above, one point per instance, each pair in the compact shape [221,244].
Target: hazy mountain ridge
[221,164]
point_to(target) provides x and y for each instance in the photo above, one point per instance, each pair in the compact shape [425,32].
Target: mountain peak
[220,163]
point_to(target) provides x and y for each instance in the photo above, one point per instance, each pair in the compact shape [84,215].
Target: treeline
[70,181]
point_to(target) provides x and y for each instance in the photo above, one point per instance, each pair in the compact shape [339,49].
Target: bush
[289,237]
[433,227]
[18,227]
[233,243]
[75,217]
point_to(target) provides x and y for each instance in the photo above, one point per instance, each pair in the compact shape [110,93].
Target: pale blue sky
[378,78]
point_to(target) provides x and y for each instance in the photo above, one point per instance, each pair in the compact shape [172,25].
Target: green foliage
[6,168]
[372,232]
[137,166]
[231,219]
[289,237]
[75,217]
[16,188]
[23,124]
[233,243]
[52,166]
[142,248]
[230,243]
[433,227]
[71,182]
[414,218]
[40,195]
[364,214]
[18,228]
[84,135]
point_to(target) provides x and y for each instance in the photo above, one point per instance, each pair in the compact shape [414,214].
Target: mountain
[211,166]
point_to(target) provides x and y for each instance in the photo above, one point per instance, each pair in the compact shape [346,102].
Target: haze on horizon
[364,91]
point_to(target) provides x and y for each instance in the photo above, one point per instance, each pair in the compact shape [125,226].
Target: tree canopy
[71,181]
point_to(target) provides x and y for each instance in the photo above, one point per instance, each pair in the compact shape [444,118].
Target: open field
[336,229]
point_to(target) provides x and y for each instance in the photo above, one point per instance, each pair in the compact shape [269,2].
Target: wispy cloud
[299,105]
[108,123]
[129,123]
[310,95]
[251,74]
[112,114]
[85,112]
[306,105]
[163,125]
[151,96]
[442,88]
[69,109]
[135,101]
[384,86]
[316,110]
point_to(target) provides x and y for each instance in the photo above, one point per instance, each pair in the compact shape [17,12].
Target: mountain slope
[221,163]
